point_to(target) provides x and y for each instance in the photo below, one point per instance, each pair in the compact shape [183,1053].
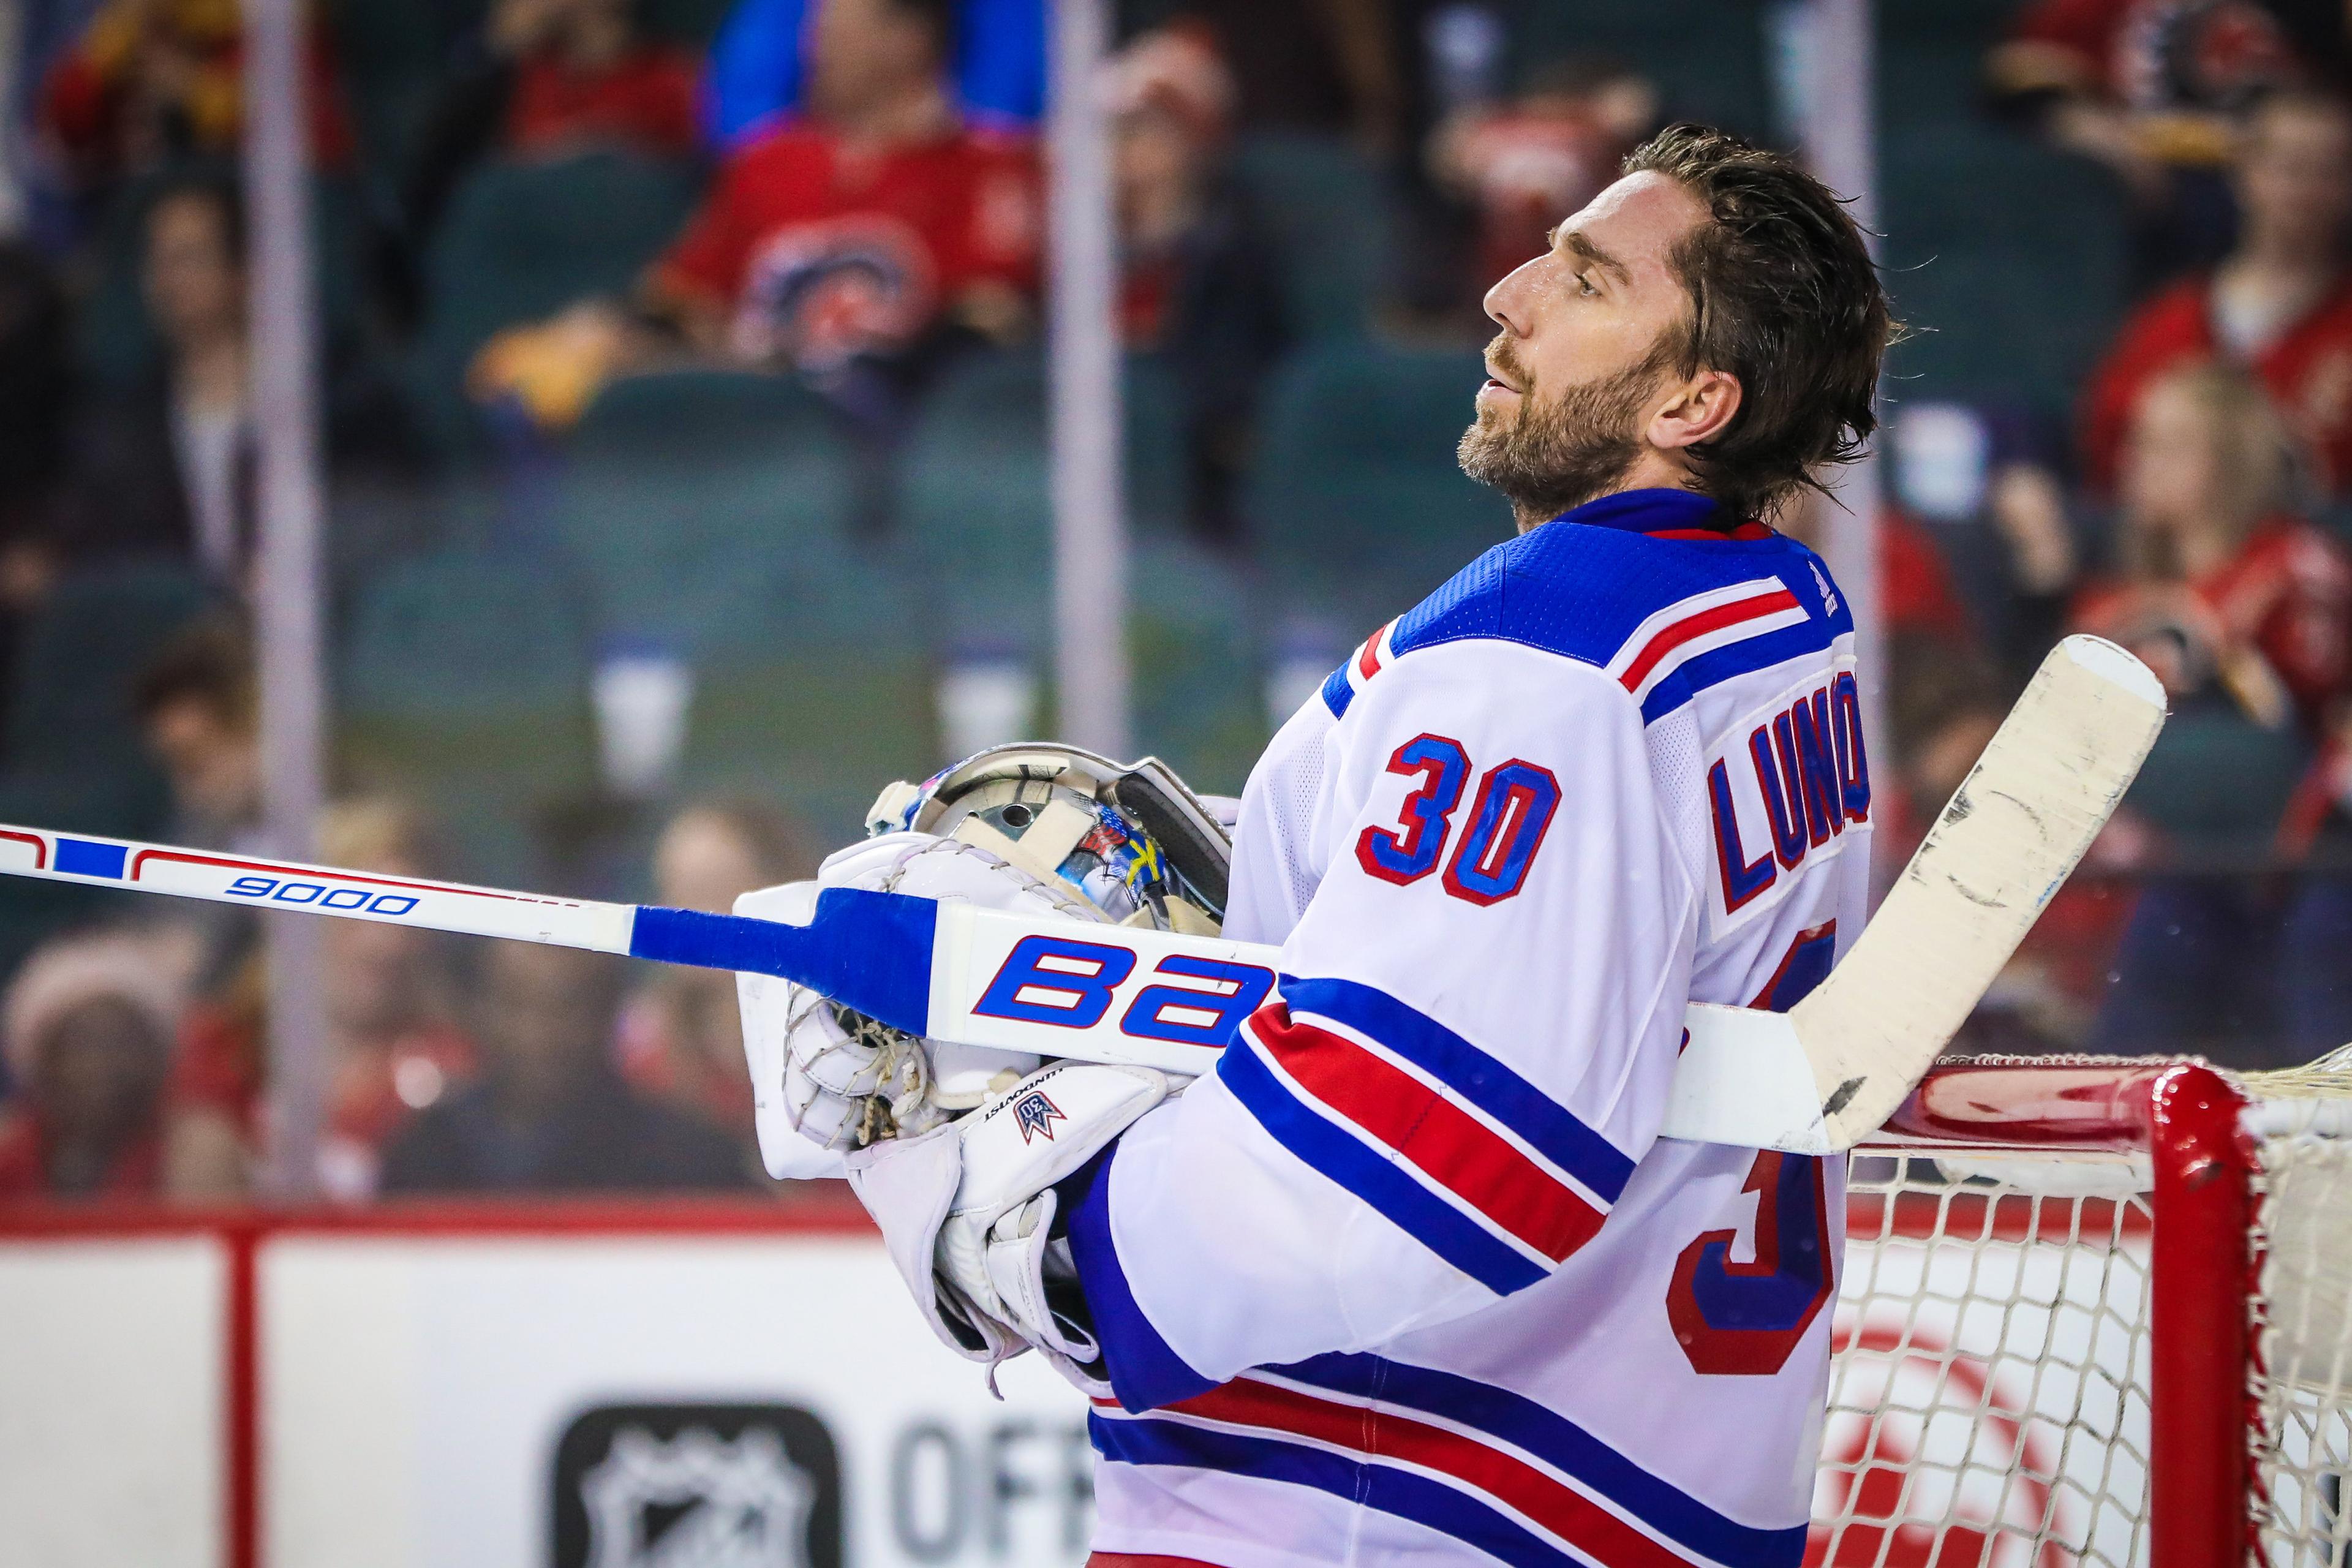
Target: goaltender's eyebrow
[1579,244]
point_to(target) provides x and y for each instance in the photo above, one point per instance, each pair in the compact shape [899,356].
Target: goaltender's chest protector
[1614,766]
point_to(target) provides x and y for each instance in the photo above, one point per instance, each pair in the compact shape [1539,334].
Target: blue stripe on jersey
[1375,1178]
[1144,1373]
[1546,1125]
[1556,1440]
[1382,1486]
[1337,691]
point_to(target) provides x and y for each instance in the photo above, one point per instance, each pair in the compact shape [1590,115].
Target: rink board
[568,1387]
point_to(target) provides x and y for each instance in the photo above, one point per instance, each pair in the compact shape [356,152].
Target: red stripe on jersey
[1392,1435]
[1671,637]
[1744,533]
[1452,1148]
[1368,661]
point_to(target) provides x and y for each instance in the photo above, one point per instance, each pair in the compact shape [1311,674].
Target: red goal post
[2093,1312]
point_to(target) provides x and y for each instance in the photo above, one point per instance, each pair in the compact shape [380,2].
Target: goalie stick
[1813,1080]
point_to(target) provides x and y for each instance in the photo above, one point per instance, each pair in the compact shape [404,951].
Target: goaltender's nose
[1511,302]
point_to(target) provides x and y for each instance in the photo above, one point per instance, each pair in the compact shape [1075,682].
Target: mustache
[1499,358]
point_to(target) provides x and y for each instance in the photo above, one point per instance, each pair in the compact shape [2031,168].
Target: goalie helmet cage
[2093,1312]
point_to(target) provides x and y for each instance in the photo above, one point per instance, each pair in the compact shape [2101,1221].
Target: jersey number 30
[1508,817]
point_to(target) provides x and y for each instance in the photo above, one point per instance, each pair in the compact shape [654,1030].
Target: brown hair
[210,662]
[1784,297]
[2258,463]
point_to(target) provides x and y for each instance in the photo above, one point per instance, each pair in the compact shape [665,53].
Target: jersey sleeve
[1473,1034]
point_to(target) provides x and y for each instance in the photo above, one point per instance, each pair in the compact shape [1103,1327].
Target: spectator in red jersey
[681,1037]
[2280,304]
[548,79]
[89,1024]
[1198,282]
[2245,612]
[149,80]
[2153,88]
[391,1047]
[856,245]
[859,230]
[2222,587]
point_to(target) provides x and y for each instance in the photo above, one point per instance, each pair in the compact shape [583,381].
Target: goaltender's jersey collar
[1663,514]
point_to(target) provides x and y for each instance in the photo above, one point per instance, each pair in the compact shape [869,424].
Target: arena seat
[1330,219]
[1356,501]
[80,657]
[390,55]
[464,684]
[2217,782]
[520,241]
[1708,57]
[975,497]
[825,700]
[687,500]
[1194,662]
[2008,261]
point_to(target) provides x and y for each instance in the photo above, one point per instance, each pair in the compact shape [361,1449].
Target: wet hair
[1785,298]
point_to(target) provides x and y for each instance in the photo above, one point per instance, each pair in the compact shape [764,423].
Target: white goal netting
[1988,1404]
[1993,1403]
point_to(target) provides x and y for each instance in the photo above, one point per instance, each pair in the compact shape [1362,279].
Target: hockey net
[2095,1313]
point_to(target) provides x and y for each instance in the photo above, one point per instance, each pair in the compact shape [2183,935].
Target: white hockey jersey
[1412,1278]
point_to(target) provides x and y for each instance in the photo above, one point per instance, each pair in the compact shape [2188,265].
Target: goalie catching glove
[967,1212]
[1034,829]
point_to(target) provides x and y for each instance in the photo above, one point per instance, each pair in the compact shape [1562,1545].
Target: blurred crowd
[846,197]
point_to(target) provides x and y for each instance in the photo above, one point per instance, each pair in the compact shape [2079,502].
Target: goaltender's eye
[1584,287]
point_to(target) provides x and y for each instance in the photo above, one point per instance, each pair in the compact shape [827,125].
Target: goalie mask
[1131,839]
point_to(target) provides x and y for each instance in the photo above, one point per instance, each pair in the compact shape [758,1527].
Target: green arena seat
[82,654]
[824,699]
[690,501]
[1195,663]
[975,498]
[2006,258]
[1708,57]
[465,685]
[1328,215]
[1357,503]
[392,54]
[520,241]
[2217,784]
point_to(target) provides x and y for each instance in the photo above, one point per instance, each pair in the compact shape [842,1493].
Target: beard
[1552,455]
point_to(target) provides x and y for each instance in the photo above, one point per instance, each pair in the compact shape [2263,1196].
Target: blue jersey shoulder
[1668,615]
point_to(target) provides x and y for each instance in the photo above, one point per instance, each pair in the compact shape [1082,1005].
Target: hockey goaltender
[1411,1277]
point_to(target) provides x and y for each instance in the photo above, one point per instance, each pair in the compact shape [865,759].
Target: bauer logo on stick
[1035,1115]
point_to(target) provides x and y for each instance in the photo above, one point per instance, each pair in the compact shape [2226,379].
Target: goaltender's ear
[1698,410]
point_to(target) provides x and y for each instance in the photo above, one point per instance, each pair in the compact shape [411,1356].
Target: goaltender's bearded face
[1587,392]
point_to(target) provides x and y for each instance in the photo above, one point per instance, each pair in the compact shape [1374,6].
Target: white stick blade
[2018,825]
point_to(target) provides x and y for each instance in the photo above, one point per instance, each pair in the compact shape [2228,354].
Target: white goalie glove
[967,1212]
